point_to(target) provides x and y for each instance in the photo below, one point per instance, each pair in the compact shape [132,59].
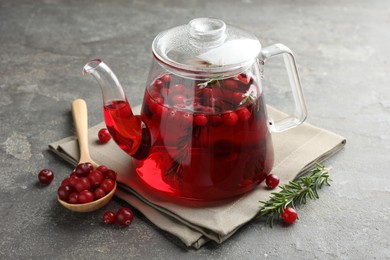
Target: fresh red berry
[243,78]
[230,118]
[110,174]
[107,185]
[272,181]
[207,92]
[104,135]
[178,99]
[102,168]
[83,169]
[85,196]
[109,217]
[72,181]
[231,83]
[237,97]
[73,198]
[82,184]
[45,176]
[66,181]
[124,216]
[166,78]
[63,192]
[243,114]
[200,120]
[98,193]
[85,189]
[208,110]
[158,83]
[289,215]
[95,178]
[73,173]
[89,165]
[216,120]
[178,88]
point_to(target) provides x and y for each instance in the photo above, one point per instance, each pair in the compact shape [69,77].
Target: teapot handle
[300,113]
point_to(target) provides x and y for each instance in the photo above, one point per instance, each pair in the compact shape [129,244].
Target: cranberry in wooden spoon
[80,118]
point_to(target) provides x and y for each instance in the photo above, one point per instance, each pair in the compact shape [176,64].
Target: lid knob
[207,32]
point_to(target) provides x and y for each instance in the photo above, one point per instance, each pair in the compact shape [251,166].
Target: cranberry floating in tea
[203,132]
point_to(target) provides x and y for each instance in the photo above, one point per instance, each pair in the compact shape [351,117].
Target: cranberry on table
[109,217]
[289,215]
[45,176]
[124,216]
[104,136]
[272,181]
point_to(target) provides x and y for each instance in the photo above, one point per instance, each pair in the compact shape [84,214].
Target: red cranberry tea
[211,138]
[203,132]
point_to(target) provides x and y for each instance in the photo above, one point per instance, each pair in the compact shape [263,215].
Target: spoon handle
[80,118]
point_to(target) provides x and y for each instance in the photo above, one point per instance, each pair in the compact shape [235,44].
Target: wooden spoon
[80,118]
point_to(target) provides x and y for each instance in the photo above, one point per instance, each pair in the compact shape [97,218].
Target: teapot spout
[127,129]
[109,83]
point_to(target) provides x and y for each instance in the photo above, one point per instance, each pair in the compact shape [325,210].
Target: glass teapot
[203,133]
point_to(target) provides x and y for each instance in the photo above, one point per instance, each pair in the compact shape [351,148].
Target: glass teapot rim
[183,70]
[206,46]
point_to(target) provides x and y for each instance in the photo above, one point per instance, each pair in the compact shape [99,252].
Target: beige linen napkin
[296,151]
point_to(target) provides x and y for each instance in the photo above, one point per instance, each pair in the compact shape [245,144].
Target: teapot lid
[206,45]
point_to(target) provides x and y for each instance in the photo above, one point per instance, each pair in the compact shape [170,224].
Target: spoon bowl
[80,118]
[91,206]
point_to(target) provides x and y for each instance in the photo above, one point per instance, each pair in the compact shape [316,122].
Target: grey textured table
[342,53]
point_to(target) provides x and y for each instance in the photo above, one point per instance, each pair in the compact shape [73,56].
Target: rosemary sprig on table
[295,193]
